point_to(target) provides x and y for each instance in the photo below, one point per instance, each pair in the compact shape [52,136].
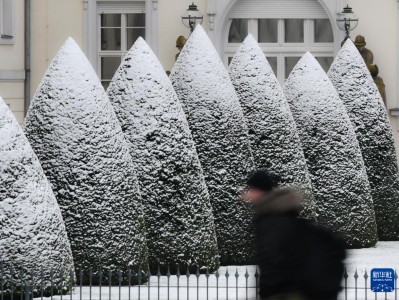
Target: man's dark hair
[264,180]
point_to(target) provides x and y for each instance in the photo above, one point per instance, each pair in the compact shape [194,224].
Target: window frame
[123,11]
[281,49]
[7,19]
[91,23]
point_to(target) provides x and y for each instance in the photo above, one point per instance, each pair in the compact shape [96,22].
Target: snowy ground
[386,254]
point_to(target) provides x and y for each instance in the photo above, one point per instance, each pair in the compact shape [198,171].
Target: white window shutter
[279,9]
[7,29]
[118,7]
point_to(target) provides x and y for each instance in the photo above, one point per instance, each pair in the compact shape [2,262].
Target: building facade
[33,30]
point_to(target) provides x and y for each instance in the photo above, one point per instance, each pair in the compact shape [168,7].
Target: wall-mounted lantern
[347,21]
[192,17]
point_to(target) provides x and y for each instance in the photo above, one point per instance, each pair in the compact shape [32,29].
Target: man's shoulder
[317,234]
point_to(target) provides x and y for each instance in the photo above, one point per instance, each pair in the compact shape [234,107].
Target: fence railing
[227,283]
[356,286]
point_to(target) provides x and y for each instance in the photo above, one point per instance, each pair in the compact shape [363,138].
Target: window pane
[135,20]
[294,30]
[238,30]
[273,64]
[325,62]
[110,20]
[105,84]
[323,31]
[109,66]
[290,63]
[110,39]
[133,34]
[268,30]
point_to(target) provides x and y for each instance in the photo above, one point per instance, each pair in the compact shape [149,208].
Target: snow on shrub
[180,226]
[217,124]
[274,138]
[357,90]
[340,185]
[75,133]
[32,231]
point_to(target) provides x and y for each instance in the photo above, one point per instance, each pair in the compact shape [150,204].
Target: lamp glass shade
[347,20]
[192,17]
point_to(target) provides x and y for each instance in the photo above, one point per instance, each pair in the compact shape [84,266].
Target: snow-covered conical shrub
[180,226]
[74,131]
[340,185]
[274,138]
[217,124]
[355,86]
[32,231]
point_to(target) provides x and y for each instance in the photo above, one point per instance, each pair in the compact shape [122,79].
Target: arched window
[285,30]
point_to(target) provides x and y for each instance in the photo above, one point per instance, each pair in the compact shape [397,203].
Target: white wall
[53,21]
[171,27]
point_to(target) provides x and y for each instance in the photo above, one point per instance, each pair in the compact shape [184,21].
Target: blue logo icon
[382,280]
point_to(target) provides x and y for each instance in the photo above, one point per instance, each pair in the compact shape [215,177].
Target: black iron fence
[356,286]
[235,283]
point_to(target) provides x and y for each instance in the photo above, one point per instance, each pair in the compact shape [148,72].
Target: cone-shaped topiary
[355,86]
[74,131]
[180,226]
[32,231]
[339,179]
[217,124]
[274,138]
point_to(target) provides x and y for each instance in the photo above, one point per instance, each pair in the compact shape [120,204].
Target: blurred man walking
[297,259]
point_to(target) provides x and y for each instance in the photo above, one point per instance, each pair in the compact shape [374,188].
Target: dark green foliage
[357,90]
[274,138]
[32,232]
[218,127]
[339,179]
[78,139]
[180,226]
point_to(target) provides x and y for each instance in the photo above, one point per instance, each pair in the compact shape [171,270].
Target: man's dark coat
[294,255]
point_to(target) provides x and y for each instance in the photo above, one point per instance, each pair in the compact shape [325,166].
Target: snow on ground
[385,254]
